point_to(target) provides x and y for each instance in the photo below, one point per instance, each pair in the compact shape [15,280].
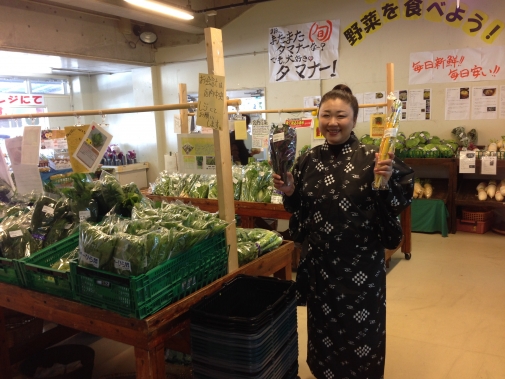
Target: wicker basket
[477,214]
[20,328]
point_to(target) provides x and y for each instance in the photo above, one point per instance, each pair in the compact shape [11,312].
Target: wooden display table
[168,327]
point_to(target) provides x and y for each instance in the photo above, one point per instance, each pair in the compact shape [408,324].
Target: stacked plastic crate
[248,329]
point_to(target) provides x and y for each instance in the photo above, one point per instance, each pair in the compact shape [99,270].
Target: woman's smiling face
[336,121]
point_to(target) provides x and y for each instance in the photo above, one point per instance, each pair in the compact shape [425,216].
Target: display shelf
[467,196]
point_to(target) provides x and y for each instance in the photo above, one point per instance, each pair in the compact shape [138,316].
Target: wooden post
[390,84]
[183,98]
[215,65]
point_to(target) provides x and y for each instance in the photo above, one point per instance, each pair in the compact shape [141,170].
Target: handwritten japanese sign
[458,65]
[473,22]
[304,51]
[211,97]
[16,100]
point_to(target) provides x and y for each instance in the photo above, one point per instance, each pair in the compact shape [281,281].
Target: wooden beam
[390,84]
[215,65]
[183,98]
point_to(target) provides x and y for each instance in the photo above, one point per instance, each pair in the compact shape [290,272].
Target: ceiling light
[162,8]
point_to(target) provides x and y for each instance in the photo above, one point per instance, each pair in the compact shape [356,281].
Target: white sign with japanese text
[16,100]
[458,65]
[304,51]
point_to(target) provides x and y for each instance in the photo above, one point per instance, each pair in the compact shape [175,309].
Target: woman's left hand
[385,167]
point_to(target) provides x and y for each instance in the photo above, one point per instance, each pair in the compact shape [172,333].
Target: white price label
[47,209]
[84,215]
[122,265]
[15,233]
[85,257]
[278,137]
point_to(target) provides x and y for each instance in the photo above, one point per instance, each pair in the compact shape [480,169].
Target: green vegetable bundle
[96,247]
[200,188]
[129,255]
[16,240]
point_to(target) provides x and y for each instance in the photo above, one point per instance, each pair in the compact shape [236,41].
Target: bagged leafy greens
[96,247]
[200,188]
[129,257]
[63,264]
[82,203]
[282,146]
[16,240]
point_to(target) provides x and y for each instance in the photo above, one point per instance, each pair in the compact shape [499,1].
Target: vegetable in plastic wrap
[187,184]
[213,187]
[282,145]
[16,241]
[247,252]
[63,264]
[132,196]
[237,178]
[266,240]
[61,228]
[6,192]
[46,211]
[96,247]
[264,184]
[129,256]
[200,188]
[108,192]
[159,247]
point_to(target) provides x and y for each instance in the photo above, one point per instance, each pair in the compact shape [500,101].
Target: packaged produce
[282,146]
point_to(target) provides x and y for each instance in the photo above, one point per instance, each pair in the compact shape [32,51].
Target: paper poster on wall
[502,101]
[27,177]
[373,98]
[92,147]
[418,104]
[311,102]
[197,154]
[260,134]
[467,162]
[359,97]
[457,103]
[211,97]
[317,135]
[484,103]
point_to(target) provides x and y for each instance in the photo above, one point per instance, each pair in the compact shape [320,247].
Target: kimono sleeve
[401,187]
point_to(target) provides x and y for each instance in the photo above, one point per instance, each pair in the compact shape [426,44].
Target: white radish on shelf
[498,196]
[492,146]
[482,195]
[418,189]
[491,190]
[428,189]
[481,185]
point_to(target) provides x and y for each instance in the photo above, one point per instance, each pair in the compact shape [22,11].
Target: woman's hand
[288,188]
[385,167]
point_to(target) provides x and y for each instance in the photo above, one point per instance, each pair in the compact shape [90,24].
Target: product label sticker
[85,257]
[278,137]
[15,233]
[122,265]
[47,209]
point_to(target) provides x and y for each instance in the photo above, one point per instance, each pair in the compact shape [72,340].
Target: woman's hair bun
[343,88]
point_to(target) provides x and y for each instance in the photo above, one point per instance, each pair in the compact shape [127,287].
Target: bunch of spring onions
[389,138]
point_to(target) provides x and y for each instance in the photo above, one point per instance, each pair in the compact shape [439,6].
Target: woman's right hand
[288,188]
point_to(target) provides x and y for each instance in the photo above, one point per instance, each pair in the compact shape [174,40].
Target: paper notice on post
[488,165]
[14,146]
[31,145]
[211,98]
[467,162]
[27,179]
[92,147]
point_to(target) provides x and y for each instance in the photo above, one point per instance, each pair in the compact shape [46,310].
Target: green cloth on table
[429,215]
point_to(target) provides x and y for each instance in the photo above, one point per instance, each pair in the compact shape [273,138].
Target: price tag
[278,137]
[47,209]
[488,165]
[467,162]
[15,233]
[85,257]
[122,265]
[84,215]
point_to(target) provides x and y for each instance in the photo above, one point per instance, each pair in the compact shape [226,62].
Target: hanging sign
[92,147]
[377,125]
[211,97]
[299,122]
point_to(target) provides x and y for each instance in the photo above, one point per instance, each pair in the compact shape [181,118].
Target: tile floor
[445,313]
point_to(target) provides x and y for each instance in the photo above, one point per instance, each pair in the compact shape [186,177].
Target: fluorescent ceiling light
[161,8]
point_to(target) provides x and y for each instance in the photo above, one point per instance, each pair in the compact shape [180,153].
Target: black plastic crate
[244,304]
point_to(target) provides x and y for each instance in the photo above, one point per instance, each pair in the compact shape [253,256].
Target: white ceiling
[226,11]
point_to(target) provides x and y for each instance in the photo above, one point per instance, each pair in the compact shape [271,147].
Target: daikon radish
[498,196]
[428,189]
[482,195]
[492,146]
[502,189]
[491,190]
[418,189]
[481,185]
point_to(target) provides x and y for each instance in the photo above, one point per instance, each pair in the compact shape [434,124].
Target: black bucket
[64,355]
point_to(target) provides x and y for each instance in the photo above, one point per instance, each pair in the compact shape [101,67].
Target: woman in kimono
[342,277]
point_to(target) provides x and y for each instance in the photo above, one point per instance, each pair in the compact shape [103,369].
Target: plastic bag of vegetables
[96,247]
[129,257]
[46,211]
[213,187]
[282,146]
[107,192]
[237,177]
[82,203]
[200,188]
[63,264]
[247,252]
[16,240]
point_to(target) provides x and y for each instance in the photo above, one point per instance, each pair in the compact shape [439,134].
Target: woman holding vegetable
[342,277]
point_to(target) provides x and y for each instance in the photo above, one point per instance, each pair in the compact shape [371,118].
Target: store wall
[362,67]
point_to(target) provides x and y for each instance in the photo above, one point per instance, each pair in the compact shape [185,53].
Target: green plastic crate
[40,276]
[9,272]
[142,295]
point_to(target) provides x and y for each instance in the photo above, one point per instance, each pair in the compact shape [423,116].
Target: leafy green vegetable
[247,252]
[16,240]
[96,247]
[63,264]
[130,255]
